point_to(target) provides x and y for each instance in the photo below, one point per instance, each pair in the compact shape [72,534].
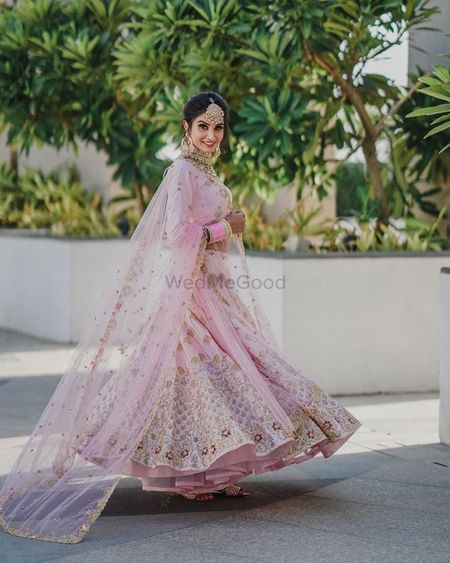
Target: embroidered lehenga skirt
[211,426]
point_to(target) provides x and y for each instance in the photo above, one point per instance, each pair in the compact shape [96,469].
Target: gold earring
[217,152]
[186,143]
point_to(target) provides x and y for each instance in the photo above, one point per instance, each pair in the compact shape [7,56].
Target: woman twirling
[177,379]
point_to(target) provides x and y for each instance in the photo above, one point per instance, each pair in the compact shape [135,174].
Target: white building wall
[356,324]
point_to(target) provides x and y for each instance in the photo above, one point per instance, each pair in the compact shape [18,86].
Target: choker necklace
[201,159]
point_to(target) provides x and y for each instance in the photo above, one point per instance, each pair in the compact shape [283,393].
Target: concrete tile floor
[384,497]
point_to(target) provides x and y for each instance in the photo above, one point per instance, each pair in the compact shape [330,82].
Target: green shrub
[56,201]
[351,189]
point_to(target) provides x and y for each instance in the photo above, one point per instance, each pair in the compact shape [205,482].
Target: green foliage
[365,236]
[276,131]
[260,234]
[265,235]
[116,73]
[57,202]
[410,162]
[57,83]
[304,223]
[351,189]
[293,50]
[402,180]
[358,234]
[430,162]
[438,87]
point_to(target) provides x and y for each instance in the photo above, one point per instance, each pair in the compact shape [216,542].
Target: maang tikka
[214,112]
[215,115]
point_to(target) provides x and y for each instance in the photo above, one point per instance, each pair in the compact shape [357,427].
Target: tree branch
[398,104]
[351,92]
[378,127]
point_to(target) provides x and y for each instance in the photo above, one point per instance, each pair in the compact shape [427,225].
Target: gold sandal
[196,496]
[233,491]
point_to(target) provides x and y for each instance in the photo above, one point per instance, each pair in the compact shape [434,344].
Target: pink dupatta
[56,490]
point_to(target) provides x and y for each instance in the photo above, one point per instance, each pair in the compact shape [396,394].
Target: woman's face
[204,134]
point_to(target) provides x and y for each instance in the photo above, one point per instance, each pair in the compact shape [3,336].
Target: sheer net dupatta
[87,433]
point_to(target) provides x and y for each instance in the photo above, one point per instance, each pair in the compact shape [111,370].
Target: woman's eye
[203,126]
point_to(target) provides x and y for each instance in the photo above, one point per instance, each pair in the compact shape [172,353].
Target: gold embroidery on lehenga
[246,419]
[241,408]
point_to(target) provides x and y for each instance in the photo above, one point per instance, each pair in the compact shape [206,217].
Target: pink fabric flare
[176,380]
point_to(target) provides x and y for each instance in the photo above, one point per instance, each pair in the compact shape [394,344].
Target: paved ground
[384,497]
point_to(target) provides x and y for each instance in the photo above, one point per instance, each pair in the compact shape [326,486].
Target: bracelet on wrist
[207,232]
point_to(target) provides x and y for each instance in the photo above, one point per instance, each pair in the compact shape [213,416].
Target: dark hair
[198,103]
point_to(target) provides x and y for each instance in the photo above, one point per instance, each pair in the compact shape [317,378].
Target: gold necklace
[201,159]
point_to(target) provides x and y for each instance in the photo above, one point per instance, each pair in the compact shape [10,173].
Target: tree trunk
[140,199]
[373,169]
[370,130]
[13,160]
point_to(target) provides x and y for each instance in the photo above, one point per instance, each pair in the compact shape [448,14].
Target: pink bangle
[218,231]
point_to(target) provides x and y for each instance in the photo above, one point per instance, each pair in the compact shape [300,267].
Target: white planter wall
[49,286]
[353,323]
[365,324]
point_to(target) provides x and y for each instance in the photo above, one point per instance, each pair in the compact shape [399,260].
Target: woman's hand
[237,221]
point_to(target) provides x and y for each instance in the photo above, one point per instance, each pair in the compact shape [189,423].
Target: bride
[177,379]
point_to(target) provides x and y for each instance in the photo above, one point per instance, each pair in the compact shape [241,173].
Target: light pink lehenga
[211,426]
[176,380]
